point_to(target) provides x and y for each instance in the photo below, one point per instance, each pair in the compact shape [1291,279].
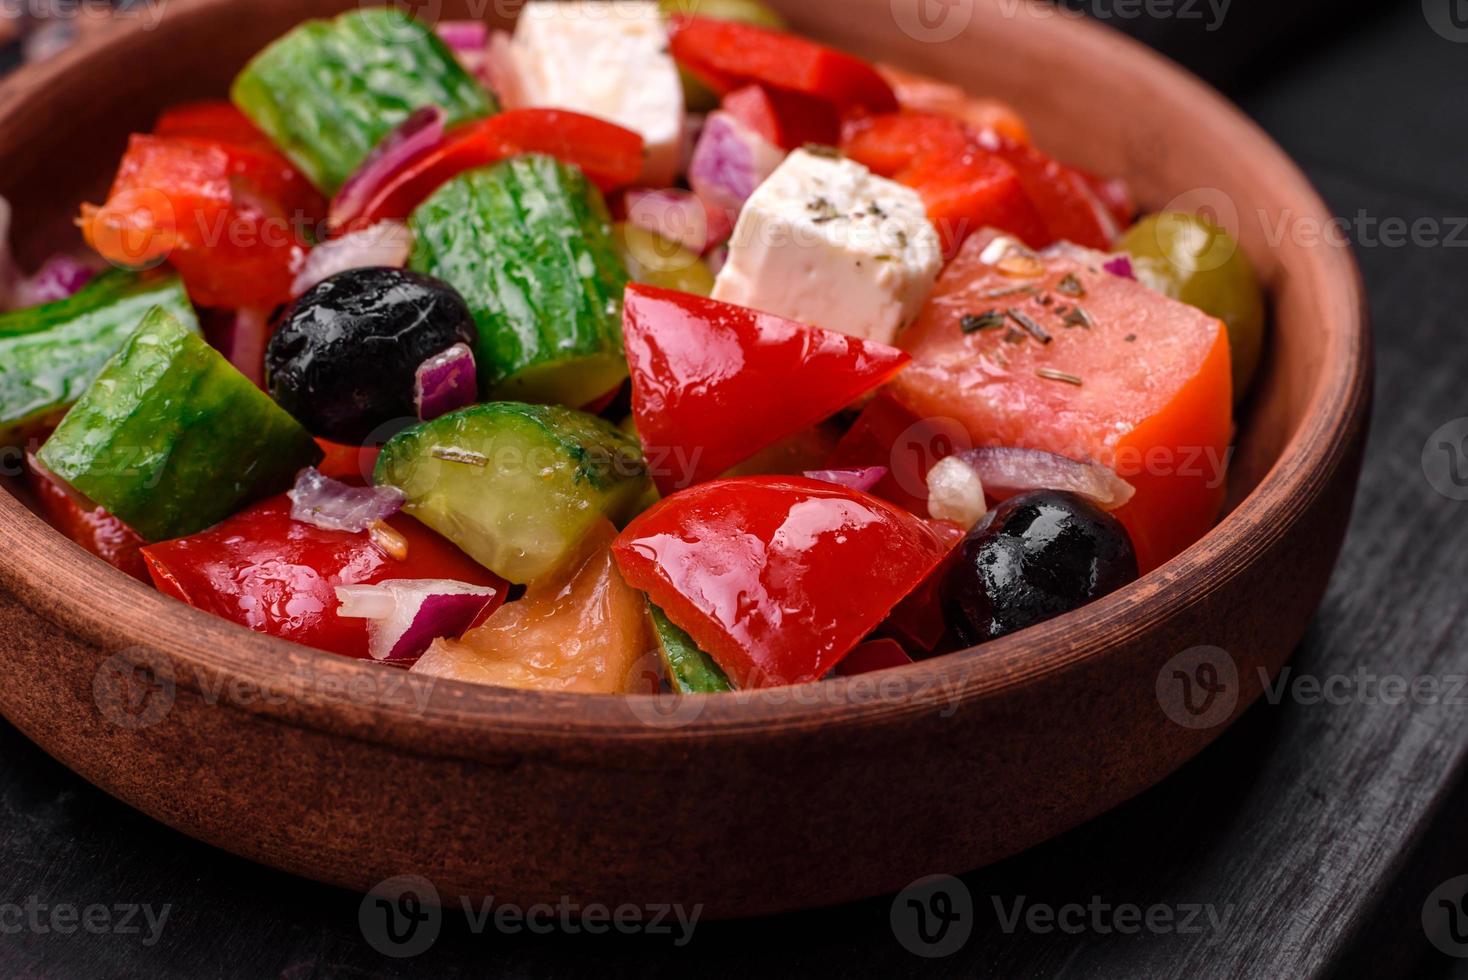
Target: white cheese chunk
[826,242]
[607,59]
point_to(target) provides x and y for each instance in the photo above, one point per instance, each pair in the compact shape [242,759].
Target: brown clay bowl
[345,773]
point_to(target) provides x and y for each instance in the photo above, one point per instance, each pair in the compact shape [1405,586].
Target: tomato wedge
[611,156]
[210,194]
[787,119]
[714,383]
[1128,378]
[777,578]
[964,187]
[919,93]
[90,526]
[1069,205]
[274,575]
[727,55]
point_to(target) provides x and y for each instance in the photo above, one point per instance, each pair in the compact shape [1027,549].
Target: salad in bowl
[510,357]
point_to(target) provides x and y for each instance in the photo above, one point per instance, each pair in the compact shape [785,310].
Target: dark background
[1314,831]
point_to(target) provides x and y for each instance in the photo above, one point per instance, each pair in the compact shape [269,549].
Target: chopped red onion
[730,161]
[387,243]
[500,72]
[245,343]
[404,616]
[1007,472]
[956,493]
[446,382]
[418,134]
[717,258]
[59,277]
[863,479]
[679,216]
[1121,266]
[464,35]
[331,505]
[468,40]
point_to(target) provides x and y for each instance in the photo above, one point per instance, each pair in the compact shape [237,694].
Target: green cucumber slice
[516,486]
[50,354]
[528,244]
[330,90]
[171,438]
[690,670]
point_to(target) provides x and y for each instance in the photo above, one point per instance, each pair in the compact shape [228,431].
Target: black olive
[344,359]
[1038,555]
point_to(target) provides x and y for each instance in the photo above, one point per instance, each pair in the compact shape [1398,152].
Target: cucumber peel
[689,669]
[528,244]
[49,354]
[330,90]
[516,486]
[171,438]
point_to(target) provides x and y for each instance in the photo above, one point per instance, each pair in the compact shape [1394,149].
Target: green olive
[1196,262]
[654,260]
[698,96]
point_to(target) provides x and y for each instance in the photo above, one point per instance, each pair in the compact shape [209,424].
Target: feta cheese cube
[826,242]
[609,59]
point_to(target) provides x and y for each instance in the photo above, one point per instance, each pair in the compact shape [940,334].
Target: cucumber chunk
[171,438]
[516,486]
[330,90]
[690,670]
[528,244]
[50,354]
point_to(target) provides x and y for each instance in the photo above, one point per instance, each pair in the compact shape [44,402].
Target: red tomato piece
[714,383]
[612,157]
[1140,383]
[353,464]
[787,119]
[873,655]
[1071,209]
[776,578]
[219,121]
[228,215]
[964,187]
[96,530]
[888,434]
[273,575]
[728,55]
[919,93]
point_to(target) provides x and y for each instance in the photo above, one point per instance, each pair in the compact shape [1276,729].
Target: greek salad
[645,346]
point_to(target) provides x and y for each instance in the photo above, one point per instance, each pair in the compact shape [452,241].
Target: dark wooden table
[1306,841]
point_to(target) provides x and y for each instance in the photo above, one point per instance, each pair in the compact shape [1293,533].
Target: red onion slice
[446,382]
[331,505]
[863,479]
[405,615]
[679,216]
[9,275]
[500,73]
[59,277]
[1121,266]
[873,655]
[730,161]
[463,35]
[245,343]
[418,134]
[1007,472]
[387,243]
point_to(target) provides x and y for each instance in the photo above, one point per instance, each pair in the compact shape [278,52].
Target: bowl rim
[324,691]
